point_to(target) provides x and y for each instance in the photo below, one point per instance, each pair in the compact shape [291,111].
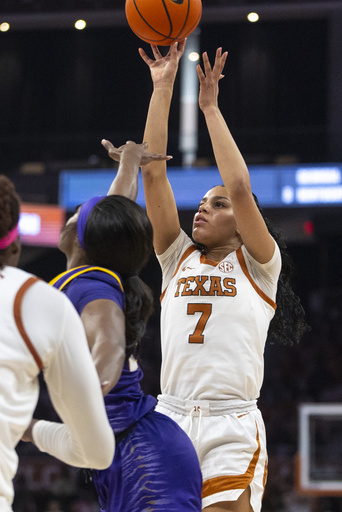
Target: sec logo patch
[226,266]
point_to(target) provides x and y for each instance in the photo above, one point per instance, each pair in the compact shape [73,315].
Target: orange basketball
[163,22]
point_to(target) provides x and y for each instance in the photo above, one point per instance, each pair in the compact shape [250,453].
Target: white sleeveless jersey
[214,322]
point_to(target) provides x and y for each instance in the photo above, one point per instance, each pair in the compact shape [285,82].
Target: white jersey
[40,329]
[214,322]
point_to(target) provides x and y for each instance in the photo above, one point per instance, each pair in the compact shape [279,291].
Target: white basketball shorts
[230,443]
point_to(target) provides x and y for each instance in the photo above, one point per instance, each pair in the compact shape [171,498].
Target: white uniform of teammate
[40,329]
[214,323]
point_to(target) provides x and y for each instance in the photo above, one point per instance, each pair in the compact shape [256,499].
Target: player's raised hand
[164,68]
[209,78]
[137,151]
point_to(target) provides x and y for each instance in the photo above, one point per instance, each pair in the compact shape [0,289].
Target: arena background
[63,90]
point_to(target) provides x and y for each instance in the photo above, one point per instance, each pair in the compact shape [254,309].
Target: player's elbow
[103,461]
[102,452]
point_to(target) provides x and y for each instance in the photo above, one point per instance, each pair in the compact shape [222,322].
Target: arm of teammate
[131,156]
[85,438]
[231,164]
[160,203]
[104,323]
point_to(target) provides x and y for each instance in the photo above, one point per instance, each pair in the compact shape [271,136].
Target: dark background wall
[62,90]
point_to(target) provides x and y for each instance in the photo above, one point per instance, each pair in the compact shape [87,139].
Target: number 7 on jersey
[205,311]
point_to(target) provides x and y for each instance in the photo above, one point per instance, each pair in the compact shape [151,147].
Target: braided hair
[9,210]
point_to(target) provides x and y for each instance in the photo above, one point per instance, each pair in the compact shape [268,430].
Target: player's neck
[219,253]
[76,260]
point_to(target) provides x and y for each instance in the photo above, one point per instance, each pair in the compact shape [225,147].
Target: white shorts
[230,442]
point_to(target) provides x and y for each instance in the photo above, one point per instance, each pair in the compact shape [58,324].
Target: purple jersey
[125,403]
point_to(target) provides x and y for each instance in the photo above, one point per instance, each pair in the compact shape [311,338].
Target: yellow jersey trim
[83,270]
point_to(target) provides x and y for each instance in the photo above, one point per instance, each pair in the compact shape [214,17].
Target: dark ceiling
[31,6]
[55,13]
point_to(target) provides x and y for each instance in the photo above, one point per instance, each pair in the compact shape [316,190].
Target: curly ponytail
[288,324]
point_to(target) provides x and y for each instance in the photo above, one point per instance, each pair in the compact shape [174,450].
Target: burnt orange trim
[264,480]
[18,320]
[243,265]
[227,483]
[213,263]
[187,253]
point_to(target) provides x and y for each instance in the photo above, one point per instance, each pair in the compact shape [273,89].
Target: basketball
[163,22]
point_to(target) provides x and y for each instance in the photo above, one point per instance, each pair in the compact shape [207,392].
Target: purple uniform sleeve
[83,290]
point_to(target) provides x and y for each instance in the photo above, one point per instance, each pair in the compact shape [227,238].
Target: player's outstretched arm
[160,203]
[230,162]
